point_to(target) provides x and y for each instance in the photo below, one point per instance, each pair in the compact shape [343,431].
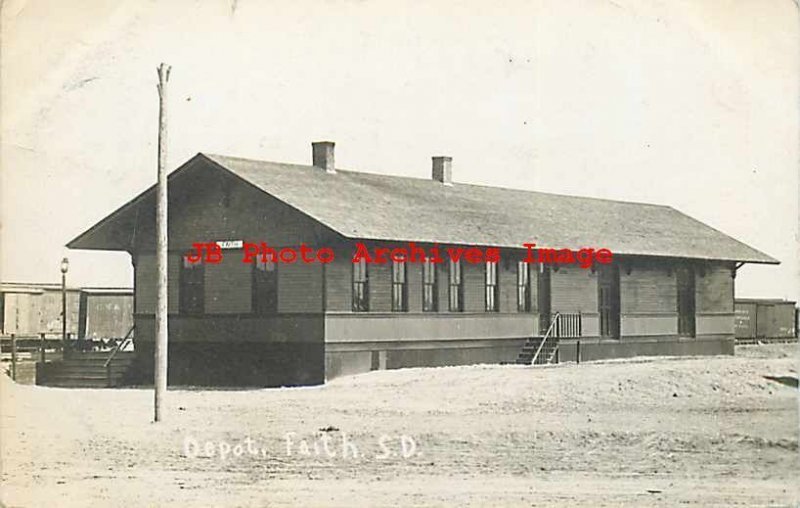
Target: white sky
[687,103]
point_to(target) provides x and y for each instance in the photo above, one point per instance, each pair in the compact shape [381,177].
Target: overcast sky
[687,103]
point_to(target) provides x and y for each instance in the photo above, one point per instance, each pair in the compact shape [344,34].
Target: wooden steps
[547,354]
[85,370]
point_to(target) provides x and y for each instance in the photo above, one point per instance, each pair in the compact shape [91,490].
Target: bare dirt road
[642,432]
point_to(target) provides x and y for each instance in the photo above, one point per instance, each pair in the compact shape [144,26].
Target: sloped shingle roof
[381,207]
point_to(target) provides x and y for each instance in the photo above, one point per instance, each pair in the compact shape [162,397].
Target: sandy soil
[643,432]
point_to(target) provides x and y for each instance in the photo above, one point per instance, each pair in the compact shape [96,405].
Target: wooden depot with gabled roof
[668,291]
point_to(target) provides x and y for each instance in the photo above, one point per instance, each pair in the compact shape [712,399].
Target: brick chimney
[322,155]
[443,169]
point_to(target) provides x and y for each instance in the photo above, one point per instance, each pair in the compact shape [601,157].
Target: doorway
[543,298]
[608,300]
[686,303]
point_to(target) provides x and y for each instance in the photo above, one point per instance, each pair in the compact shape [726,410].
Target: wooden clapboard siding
[300,288]
[714,289]
[228,285]
[474,280]
[534,288]
[389,327]
[217,206]
[507,280]
[648,300]
[573,289]
[414,278]
[443,280]
[338,282]
[145,276]
[380,287]
[648,289]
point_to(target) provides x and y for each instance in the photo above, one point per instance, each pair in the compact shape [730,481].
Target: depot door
[543,298]
[608,300]
[686,303]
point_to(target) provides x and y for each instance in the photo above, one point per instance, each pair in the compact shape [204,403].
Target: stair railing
[547,335]
[120,345]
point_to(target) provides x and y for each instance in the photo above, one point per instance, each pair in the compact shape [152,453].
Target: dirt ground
[642,432]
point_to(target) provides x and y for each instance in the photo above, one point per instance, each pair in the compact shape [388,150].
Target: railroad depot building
[669,289]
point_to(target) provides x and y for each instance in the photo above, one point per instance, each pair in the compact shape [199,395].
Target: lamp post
[64,269]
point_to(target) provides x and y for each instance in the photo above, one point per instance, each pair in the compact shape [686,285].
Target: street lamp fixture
[64,269]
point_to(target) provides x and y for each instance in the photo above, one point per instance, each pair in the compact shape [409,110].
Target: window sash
[399,288]
[456,288]
[523,287]
[360,287]
[430,289]
[492,303]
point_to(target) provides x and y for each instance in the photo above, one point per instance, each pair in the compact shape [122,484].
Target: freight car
[28,310]
[759,319]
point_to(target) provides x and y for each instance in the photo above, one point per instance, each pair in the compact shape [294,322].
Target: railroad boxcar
[765,319]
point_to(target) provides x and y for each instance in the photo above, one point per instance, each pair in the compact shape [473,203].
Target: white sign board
[230,244]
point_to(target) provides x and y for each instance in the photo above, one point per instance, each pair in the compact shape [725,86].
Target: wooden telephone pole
[161,348]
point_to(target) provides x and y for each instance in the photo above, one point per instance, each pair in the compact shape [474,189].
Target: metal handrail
[556,318]
[120,346]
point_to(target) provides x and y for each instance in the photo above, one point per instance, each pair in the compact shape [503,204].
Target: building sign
[230,244]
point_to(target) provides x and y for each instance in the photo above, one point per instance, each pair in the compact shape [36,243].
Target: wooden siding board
[507,279]
[714,290]
[380,287]
[573,289]
[474,280]
[414,278]
[444,287]
[714,324]
[648,289]
[228,285]
[217,207]
[338,282]
[145,275]
[534,289]
[299,288]
[649,325]
[428,326]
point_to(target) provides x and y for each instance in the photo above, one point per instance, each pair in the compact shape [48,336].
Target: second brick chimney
[322,155]
[443,169]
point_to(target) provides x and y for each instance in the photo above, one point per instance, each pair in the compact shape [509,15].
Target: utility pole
[161,348]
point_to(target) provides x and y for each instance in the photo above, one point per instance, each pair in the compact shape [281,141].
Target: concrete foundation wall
[355,358]
[645,346]
[234,364]
[228,350]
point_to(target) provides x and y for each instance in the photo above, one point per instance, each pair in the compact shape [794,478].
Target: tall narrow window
[492,302]
[456,287]
[265,287]
[191,287]
[399,287]
[523,287]
[430,288]
[360,286]
[686,303]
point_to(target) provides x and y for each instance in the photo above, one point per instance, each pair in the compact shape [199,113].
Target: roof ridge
[455,184]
